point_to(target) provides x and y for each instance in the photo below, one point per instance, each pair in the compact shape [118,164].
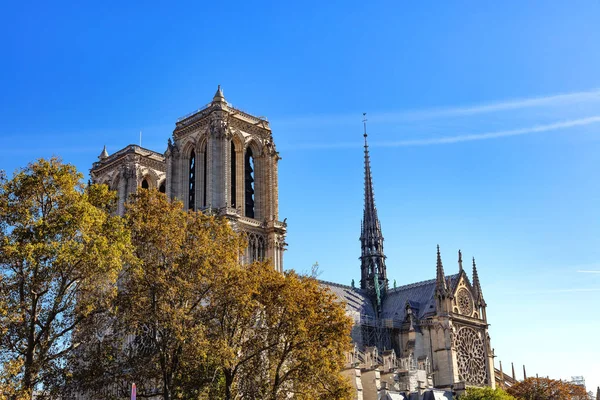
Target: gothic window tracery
[464,301]
[204,174]
[249,183]
[192,181]
[471,356]
[233,174]
[257,246]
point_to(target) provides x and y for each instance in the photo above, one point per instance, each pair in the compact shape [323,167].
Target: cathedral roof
[420,295]
[357,300]
[394,304]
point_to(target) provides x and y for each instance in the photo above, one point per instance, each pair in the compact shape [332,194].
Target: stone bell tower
[223,161]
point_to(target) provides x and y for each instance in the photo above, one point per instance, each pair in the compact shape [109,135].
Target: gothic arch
[189,175]
[236,171]
[253,183]
[150,176]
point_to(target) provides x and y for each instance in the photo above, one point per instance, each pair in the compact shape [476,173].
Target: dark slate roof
[420,295]
[357,302]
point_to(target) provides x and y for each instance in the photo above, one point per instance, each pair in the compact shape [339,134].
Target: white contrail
[554,100]
[493,135]
[551,291]
[458,138]
[432,113]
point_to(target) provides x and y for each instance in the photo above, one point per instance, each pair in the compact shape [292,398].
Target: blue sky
[484,121]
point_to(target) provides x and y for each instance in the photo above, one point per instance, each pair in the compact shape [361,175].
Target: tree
[190,321]
[156,337]
[486,394]
[547,389]
[60,254]
[275,335]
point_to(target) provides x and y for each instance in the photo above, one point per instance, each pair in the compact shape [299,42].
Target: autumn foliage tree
[157,337]
[60,253]
[547,389]
[196,323]
[486,393]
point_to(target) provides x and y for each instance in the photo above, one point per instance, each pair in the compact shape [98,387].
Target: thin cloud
[460,138]
[570,290]
[558,100]
[544,101]
[495,135]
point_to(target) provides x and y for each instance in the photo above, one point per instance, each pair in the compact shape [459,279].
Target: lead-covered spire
[373,270]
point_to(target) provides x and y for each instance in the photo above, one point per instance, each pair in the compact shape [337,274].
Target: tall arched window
[249,183]
[145,184]
[192,182]
[233,176]
[205,175]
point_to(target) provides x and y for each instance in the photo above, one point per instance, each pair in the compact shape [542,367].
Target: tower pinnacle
[372,259]
[218,97]
[477,285]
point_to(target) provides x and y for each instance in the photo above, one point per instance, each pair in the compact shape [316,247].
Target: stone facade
[220,160]
[223,161]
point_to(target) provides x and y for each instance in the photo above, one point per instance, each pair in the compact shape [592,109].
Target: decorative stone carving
[471,356]
[464,301]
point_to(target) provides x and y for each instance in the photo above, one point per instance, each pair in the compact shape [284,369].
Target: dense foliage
[547,389]
[60,253]
[486,394]
[91,302]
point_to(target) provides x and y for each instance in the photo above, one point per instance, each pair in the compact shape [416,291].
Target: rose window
[471,356]
[465,302]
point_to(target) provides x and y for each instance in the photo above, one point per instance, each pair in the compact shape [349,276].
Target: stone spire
[477,285]
[460,268]
[104,154]
[218,97]
[513,371]
[372,259]
[440,280]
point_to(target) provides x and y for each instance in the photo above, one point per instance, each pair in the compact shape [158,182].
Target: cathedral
[418,336]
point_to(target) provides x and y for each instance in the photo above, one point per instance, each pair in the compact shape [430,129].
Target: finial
[474,266]
[218,97]
[460,268]
[365,126]
[104,154]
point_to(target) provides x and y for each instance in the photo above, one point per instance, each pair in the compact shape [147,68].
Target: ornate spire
[460,268]
[477,285]
[373,270]
[218,97]
[440,279]
[104,154]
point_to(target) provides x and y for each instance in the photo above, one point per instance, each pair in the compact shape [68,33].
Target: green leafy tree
[486,394]
[60,254]
[156,337]
[547,389]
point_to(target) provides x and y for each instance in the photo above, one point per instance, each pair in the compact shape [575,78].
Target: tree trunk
[228,383]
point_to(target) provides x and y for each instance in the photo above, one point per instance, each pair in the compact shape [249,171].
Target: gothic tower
[372,260]
[223,161]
